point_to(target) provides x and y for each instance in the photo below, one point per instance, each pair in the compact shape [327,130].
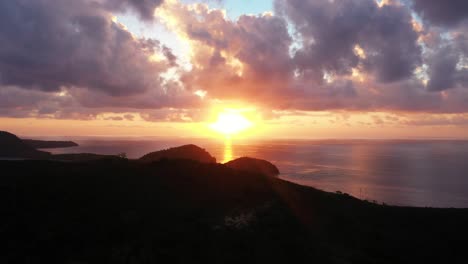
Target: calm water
[415,173]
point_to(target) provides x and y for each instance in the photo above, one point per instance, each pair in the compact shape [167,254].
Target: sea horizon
[402,172]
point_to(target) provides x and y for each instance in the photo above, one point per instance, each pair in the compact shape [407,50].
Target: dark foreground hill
[182,211]
[13,147]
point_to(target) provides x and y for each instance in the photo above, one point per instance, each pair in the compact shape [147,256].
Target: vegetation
[178,205]
[183,211]
[254,165]
[190,152]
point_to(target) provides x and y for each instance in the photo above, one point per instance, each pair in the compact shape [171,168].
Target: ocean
[423,173]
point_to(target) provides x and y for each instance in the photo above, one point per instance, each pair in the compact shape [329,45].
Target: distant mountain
[254,166]
[13,147]
[189,152]
[43,144]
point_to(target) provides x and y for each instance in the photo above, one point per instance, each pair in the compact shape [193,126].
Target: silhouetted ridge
[190,152]
[82,157]
[184,211]
[13,147]
[49,144]
[254,165]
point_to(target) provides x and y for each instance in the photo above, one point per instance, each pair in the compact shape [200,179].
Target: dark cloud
[48,44]
[442,12]
[173,95]
[443,70]
[447,61]
[87,105]
[331,30]
[144,8]
[16,98]
[18,102]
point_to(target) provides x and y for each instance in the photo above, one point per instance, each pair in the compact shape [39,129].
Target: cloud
[129,117]
[173,115]
[448,62]
[331,33]
[17,102]
[369,52]
[232,59]
[440,12]
[438,120]
[70,59]
[343,55]
[50,44]
[114,118]
[86,104]
[144,8]
[75,49]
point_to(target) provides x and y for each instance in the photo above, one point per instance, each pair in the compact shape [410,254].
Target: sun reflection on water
[227,149]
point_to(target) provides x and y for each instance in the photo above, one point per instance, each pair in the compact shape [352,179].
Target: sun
[230,123]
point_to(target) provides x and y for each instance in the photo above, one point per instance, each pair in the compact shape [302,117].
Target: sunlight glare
[231,122]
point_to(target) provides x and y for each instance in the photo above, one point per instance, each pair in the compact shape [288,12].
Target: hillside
[13,147]
[182,211]
[190,152]
[254,166]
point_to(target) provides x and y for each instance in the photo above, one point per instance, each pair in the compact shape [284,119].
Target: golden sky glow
[226,68]
[314,125]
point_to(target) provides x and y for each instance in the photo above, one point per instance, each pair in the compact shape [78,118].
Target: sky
[294,68]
